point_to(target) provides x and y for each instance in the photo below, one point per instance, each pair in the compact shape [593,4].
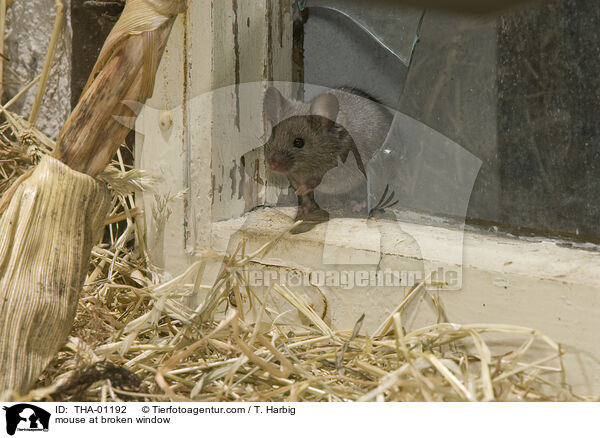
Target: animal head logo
[26,417]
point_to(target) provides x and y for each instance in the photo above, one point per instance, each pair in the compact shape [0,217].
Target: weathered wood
[124,71]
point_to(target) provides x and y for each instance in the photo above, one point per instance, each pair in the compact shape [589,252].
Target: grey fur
[334,126]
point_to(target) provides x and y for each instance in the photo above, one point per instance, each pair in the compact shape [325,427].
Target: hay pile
[136,339]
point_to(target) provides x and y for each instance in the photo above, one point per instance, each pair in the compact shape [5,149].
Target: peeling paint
[236,51]
[268,73]
[187,199]
[226,46]
[300,18]
[280,23]
[212,189]
[233,177]
[257,176]
[242,171]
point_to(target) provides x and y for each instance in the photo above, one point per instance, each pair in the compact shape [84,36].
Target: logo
[26,417]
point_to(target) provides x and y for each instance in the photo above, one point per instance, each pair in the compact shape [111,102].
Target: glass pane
[517,91]
[395,32]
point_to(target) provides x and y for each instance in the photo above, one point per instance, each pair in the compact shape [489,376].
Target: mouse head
[304,136]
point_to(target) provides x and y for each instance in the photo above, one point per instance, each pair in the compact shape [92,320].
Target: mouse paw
[307,187]
[303,190]
[301,213]
[305,210]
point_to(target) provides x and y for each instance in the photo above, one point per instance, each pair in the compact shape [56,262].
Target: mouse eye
[299,143]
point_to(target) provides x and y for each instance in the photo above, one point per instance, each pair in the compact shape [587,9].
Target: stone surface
[29,27]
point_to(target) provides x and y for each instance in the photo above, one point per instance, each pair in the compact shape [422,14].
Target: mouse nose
[278,163]
[275,165]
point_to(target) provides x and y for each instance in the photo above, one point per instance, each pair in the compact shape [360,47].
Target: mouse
[309,139]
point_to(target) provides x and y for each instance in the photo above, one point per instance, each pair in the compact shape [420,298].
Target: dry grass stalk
[36,287]
[135,326]
[2,26]
[129,318]
[136,339]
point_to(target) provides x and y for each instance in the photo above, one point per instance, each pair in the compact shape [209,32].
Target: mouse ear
[275,105]
[326,105]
